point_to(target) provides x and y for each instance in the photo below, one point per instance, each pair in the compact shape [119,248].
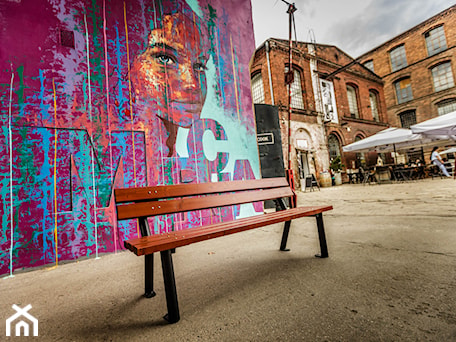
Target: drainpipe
[269,72]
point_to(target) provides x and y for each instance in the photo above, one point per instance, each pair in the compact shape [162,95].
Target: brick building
[335,101]
[417,68]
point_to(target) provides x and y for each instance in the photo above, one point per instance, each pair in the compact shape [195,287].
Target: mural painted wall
[99,94]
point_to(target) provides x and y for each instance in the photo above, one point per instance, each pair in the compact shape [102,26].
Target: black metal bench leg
[170,287]
[286,230]
[322,237]
[149,276]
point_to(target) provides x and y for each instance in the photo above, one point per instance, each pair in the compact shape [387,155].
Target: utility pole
[289,78]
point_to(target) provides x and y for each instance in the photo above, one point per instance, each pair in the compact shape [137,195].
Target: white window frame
[352,101]
[446,106]
[398,58]
[435,40]
[442,76]
[297,100]
[373,98]
[257,88]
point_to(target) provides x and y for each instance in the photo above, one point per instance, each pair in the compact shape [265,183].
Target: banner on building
[328,101]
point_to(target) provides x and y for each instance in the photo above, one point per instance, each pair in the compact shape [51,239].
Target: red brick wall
[330,59]
[419,64]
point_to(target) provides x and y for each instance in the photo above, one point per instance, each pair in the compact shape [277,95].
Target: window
[352,101]
[369,65]
[446,106]
[257,88]
[398,58]
[334,146]
[408,118]
[403,90]
[435,40]
[374,105]
[296,90]
[442,76]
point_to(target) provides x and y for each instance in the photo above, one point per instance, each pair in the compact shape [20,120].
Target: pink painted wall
[103,94]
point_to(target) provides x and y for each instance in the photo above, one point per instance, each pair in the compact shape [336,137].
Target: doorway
[303,164]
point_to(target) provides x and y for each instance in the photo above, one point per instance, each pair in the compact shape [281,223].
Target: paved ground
[391,276]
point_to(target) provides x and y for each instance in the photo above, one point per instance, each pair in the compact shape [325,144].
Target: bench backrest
[166,199]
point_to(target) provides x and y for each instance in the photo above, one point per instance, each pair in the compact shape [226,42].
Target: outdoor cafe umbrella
[444,125]
[392,139]
[450,150]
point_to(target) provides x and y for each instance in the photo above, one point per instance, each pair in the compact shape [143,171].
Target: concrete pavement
[391,276]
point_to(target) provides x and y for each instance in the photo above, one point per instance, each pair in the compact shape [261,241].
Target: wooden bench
[141,203]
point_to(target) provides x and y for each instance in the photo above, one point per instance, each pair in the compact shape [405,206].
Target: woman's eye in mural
[199,67]
[165,59]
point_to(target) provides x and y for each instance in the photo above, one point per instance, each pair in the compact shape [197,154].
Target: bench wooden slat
[180,190]
[153,208]
[156,243]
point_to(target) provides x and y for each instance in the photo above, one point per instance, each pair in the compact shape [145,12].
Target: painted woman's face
[169,77]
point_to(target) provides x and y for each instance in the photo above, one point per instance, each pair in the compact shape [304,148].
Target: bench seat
[161,242]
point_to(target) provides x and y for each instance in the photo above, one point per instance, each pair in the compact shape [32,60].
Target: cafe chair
[368,176]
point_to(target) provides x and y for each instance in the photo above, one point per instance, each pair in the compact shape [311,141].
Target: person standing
[437,160]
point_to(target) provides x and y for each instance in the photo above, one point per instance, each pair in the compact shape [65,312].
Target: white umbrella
[392,139]
[444,125]
[450,150]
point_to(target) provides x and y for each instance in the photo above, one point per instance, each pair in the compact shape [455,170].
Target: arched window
[398,58]
[442,75]
[435,40]
[407,118]
[374,105]
[257,88]
[352,101]
[334,146]
[403,90]
[446,106]
[296,90]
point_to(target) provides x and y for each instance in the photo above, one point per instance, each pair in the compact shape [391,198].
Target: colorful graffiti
[99,94]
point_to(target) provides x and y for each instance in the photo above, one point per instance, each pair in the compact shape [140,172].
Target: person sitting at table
[437,160]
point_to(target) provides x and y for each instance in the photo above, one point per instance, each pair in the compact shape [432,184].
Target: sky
[354,26]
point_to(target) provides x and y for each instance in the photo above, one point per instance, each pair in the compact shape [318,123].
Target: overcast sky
[354,26]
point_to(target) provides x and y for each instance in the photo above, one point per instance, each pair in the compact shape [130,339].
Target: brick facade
[314,61]
[419,65]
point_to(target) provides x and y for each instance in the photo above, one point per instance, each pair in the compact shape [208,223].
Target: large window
[407,118]
[403,90]
[257,88]
[435,40]
[334,146]
[446,106]
[442,76]
[374,105]
[398,58]
[369,65]
[352,101]
[296,90]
